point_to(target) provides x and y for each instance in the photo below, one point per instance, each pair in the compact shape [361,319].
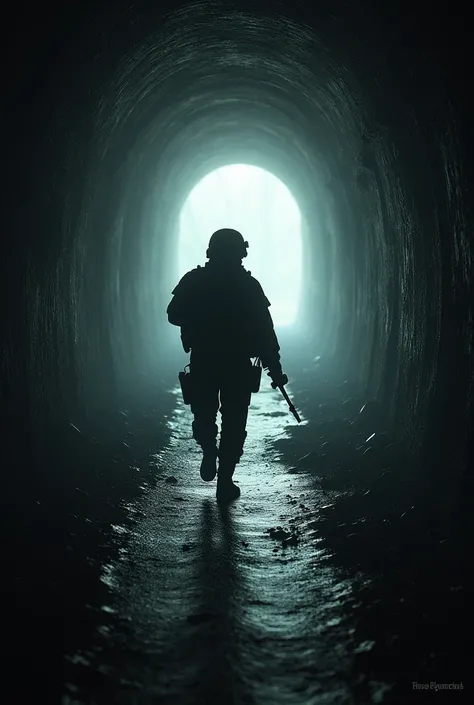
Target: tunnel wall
[373,156]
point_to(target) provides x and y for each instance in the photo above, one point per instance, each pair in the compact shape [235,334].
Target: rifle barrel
[290,404]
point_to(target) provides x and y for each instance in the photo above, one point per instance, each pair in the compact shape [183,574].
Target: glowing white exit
[262,208]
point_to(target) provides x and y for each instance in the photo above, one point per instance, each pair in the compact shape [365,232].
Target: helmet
[228,244]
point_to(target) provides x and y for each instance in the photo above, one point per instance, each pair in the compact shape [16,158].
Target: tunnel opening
[311,255]
[259,205]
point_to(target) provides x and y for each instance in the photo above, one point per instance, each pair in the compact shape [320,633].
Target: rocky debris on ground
[287,537]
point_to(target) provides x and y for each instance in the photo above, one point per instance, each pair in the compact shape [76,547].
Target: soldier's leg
[204,406]
[235,396]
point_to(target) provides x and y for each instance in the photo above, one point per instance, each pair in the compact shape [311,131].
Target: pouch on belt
[255,375]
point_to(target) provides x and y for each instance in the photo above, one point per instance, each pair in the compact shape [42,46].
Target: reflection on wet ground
[326,582]
[210,604]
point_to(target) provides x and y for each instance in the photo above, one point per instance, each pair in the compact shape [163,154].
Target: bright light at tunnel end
[262,208]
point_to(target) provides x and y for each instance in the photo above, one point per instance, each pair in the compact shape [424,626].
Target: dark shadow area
[385,529]
[62,535]
[216,619]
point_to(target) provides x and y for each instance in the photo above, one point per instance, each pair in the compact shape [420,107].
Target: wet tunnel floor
[207,603]
[323,583]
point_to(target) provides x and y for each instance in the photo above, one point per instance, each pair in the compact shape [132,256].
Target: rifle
[287,398]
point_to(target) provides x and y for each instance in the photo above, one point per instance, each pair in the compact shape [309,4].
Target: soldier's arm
[179,307]
[269,346]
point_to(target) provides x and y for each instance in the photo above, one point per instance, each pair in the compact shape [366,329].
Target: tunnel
[336,137]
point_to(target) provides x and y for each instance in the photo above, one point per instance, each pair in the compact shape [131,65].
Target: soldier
[224,319]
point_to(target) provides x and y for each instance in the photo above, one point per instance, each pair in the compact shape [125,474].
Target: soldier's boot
[209,462]
[205,433]
[226,489]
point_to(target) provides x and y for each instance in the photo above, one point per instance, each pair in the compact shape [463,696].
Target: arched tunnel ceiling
[361,132]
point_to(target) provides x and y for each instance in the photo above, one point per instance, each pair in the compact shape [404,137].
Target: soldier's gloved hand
[278,378]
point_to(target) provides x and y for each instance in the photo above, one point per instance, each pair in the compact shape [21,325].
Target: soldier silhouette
[224,319]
